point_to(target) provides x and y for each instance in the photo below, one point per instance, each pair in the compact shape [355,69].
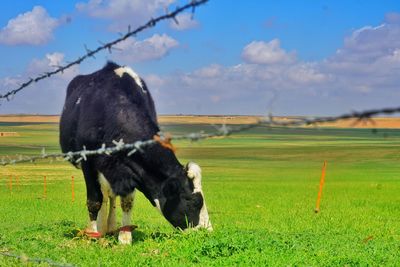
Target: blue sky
[235,57]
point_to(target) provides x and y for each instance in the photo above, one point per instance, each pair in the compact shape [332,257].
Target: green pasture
[260,187]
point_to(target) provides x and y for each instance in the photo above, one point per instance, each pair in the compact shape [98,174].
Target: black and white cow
[112,104]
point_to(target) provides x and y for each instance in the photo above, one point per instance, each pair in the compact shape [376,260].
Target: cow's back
[104,106]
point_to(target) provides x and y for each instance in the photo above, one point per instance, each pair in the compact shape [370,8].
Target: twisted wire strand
[222,131]
[107,46]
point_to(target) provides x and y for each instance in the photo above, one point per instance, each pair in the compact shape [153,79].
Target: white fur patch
[102,218]
[105,186]
[204,221]
[102,225]
[112,219]
[125,237]
[120,71]
[92,226]
[194,172]
[158,206]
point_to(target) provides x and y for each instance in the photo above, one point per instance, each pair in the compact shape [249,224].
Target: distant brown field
[389,123]
[29,118]
[203,119]
[384,123]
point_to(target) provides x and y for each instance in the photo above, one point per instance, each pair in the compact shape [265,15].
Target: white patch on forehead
[78,101]
[120,71]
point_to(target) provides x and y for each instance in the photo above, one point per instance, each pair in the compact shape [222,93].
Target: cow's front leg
[94,198]
[102,222]
[125,232]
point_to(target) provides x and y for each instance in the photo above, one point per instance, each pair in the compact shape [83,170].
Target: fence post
[44,187]
[10,185]
[321,185]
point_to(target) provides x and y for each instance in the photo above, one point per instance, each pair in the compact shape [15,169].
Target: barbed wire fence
[222,131]
[107,46]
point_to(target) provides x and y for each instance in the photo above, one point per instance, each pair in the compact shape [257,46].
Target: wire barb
[221,131]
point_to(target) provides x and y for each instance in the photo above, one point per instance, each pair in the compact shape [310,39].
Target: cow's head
[182,200]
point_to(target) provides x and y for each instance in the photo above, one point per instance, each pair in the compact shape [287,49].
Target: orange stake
[44,187]
[72,188]
[321,185]
[10,183]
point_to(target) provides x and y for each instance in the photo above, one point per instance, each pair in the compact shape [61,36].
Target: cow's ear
[193,170]
[171,188]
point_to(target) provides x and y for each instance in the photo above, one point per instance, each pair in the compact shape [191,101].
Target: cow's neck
[163,161]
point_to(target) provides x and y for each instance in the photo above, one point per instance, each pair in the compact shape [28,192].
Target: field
[260,187]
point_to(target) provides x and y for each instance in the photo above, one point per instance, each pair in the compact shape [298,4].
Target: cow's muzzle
[194,173]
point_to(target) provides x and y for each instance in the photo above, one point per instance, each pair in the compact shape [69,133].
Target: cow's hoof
[93,234]
[125,237]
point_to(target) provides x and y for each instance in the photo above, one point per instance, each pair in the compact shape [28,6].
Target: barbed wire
[222,131]
[78,156]
[24,259]
[107,46]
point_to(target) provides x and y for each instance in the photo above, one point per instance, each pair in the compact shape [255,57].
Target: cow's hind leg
[94,197]
[103,222]
[112,222]
[125,233]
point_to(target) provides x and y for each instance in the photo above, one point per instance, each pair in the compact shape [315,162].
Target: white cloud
[45,97]
[211,71]
[33,28]
[123,12]
[49,63]
[154,81]
[369,59]
[185,22]
[259,52]
[55,59]
[362,74]
[155,47]
[306,73]
[392,17]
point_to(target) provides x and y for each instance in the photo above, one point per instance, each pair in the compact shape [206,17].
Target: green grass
[260,188]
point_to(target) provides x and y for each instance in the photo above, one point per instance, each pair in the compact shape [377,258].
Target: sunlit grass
[260,189]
